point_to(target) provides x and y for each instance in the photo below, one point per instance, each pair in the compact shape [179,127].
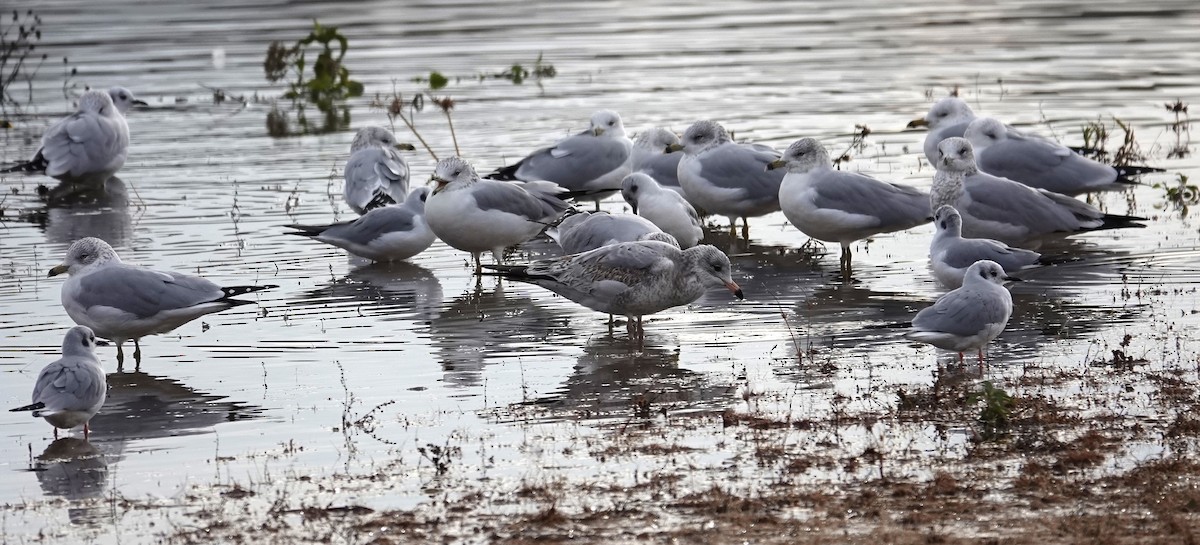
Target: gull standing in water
[838,206]
[631,278]
[123,302]
[88,146]
[1008,211]
[970,316]
[476,215]
[376,174]
[950,254]
[667,209]
[725,178]
[1036,162]
[387,233]
[70,390]
[590,164]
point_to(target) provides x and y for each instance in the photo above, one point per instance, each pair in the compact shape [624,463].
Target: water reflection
[486,324]
[143,406]
[400,290]
[72,469]
[73,213]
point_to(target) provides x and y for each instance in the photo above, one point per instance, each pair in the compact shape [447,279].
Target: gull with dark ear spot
[725,178]
[630,279]
[387,233]
[590,164]
[124,99]
[376,174]
[969,317]
[476,215]
[946,118]
[653,155]
[123,302]
[663,207]
[70,390]
[999,208]
[1036,162]
[85,148]
[842,207]
[950,254]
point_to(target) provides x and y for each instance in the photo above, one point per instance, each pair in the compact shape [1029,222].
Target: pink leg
[960,358]
[85,431]
[980,356]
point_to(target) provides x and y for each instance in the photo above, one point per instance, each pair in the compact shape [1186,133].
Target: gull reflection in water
[73,213]
[75,470]
[144,406]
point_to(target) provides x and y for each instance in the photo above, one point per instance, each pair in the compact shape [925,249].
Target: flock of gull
[995,189]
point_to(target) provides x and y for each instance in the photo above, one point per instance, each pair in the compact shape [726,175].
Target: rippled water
[208,191]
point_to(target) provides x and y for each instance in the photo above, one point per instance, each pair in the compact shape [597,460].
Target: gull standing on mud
[631,278]
[946,118]
[70,390]
[665,208]
[476,215]
[586,231]
[123,302]
[376,174]
[590,164]
[970,316]
[843,207]
[88,146]
[652,154]
[1008,211]
[1036,162]
[388,233]
[725,178]
[950,254]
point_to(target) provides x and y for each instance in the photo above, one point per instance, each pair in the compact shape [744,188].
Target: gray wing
[1045,165]
[663,167]
[1005,201]
[373,224]
[531,204]
[612,268]
[602,229]
[575,161]
[965,251]
[895,206]
[372,173]
[72,383]
[81,143]
[743,166]
[144,292]
[961,312]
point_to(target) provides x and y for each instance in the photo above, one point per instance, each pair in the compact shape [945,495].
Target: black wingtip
[34,407]
[234,291]
[305,230]
[506,174]
[1134,170]
[37,164]
[378,200]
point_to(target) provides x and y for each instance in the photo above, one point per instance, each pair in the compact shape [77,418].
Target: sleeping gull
[590,164]
[586,231]
[88,146]
[70,390]
[475,215]
[946,118]
[970,316]
[950,254]
[665,208]
[1036,162]
[838,206]
[121,302]
[1008,211]
[376,174]
[631,278]
[387,233]
[652,154]
[725,178]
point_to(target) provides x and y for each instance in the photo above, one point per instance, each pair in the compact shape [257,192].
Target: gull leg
[120,356]
[733,228]
[85,431]
[981,357]
[478,263]
[137,354]
[960,358]
[845,263]
[746,229]
[56,433]
[597,205]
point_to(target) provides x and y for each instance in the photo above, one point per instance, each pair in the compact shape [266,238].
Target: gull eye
[717,267]
[962,151]
[457,173]
[943,114]
[124,96]
[423,197]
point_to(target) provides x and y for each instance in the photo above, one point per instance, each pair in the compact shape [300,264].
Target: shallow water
[208,190]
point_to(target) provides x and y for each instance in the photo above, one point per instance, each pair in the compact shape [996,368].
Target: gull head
[416,198]
[636,185]
[955,155]
[79,340]
[712,267]
[947,220]
[85,253]
[986,271]
[802,156]
[657,140]
[607,122]
[947,111]
[368,137]
[123,99]
[703,135]
[985,131]
[453,172]
[97,102]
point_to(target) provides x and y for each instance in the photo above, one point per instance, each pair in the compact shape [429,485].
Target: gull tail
[309,230]
[1114,221]
[234,291]
[37,164]
[34,407]
[514,272]
[506,174]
